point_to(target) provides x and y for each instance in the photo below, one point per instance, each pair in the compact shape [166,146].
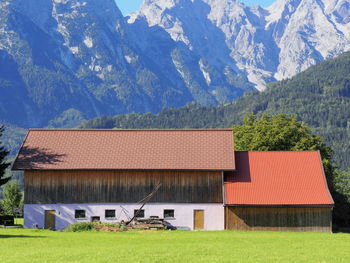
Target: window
[80,214]
[109,213]
[141,213]
[95,219]
[169,213]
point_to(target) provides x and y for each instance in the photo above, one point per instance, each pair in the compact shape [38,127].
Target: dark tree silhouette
[3,165]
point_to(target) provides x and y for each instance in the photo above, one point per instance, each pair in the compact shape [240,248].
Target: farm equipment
[153,222]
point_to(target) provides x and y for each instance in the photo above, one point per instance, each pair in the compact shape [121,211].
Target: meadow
[24,245]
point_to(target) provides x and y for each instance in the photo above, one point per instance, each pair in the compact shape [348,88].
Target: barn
[85,175]
[278,191]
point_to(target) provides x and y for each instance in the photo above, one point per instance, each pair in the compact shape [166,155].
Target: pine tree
[3,165]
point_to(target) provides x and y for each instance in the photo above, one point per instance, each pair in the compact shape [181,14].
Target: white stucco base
[34,215]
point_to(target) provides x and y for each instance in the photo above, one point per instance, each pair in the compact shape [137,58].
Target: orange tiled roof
[126,150]
[277,178]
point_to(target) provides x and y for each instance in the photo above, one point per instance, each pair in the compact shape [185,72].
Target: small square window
[109,213]
[80,214]
[140,214]
[169,213]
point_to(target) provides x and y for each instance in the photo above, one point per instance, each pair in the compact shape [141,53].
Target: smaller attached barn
[284,191]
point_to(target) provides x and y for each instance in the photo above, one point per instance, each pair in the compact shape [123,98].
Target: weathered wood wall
[279,218]
[49,187]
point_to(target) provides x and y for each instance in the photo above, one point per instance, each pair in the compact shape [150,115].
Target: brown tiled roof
[126,150]
[277,178]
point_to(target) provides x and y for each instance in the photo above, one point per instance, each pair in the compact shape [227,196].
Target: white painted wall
[213,214]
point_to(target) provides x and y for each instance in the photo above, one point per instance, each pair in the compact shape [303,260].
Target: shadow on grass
[20,236]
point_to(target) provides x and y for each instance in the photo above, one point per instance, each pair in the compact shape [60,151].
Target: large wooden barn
[84,175]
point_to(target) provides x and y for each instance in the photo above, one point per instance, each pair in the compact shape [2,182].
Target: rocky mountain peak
[268,44]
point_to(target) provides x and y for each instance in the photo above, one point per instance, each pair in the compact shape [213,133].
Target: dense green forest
[319,96]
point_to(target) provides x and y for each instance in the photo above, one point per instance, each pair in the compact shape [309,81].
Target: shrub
[110,225]
[93,226]
[83,226]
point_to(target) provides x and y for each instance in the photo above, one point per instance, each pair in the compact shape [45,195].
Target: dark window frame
[165,215]
[76,214]
[141,213]
[109,217]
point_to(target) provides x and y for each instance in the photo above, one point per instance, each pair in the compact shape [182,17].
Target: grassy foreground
[23,245]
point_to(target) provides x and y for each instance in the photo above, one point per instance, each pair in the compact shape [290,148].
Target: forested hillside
[320,96]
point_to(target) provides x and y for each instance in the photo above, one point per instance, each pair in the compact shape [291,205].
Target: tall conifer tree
[3,165]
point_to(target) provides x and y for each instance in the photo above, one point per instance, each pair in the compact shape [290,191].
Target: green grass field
[23,245]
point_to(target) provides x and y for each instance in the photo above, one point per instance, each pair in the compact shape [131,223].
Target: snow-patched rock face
[307,32]
[57,55]
[74,24]
[195,47]
[268,44]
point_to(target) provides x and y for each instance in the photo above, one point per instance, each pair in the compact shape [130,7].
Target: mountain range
[63,61]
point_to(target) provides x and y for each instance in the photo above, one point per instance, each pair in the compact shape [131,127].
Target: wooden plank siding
[279,218]
[67,187]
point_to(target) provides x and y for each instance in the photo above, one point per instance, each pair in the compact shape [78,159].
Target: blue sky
[128,6]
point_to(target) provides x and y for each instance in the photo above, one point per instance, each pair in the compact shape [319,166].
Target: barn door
[50,219]
[198,219]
